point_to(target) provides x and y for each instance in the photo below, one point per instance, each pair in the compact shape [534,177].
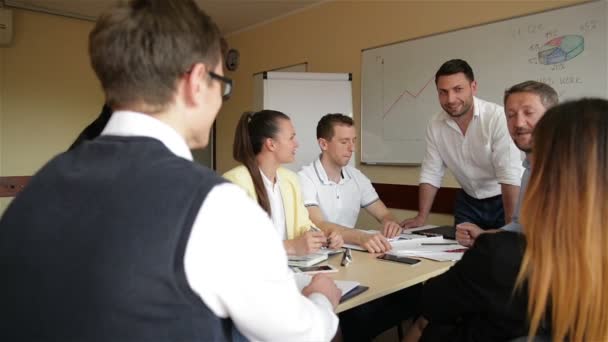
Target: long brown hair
[565,220]
[251,132]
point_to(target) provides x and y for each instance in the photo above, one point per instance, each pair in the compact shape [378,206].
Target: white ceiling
[230,15]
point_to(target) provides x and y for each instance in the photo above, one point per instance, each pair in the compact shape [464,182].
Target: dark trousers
[365,322]
[487,213]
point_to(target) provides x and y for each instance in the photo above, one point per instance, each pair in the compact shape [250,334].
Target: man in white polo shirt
[469,137]
[334,192]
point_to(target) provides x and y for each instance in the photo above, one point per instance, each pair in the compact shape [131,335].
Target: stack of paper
[439,251]
[411,237]
[397,240]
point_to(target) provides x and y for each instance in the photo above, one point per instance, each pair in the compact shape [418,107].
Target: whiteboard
[305,97]
[565,48]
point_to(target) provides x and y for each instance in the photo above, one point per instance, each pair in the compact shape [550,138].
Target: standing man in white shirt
[469,137]
[334,192]
[160,254]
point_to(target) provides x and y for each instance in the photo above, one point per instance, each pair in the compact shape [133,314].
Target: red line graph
[408,93]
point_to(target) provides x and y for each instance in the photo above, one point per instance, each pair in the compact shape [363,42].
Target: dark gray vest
[93,248]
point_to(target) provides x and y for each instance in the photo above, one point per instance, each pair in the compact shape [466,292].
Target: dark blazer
[475,300]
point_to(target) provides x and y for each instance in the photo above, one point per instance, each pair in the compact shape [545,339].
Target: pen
[316,229]
[439,244]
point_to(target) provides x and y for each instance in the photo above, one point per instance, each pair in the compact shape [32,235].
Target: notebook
[349,288]
[306,260]
[352,293]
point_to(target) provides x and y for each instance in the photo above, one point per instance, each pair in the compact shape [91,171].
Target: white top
[339,202]
[277,211]
[481,160]
[231,234]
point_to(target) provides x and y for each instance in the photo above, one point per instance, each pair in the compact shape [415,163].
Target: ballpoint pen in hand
[316,229]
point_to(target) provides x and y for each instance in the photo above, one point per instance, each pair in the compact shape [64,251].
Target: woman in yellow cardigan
[262,142]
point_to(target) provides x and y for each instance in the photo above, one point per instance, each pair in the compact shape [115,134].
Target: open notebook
[349,288]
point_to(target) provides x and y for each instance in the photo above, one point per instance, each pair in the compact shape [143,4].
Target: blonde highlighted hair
[565,220]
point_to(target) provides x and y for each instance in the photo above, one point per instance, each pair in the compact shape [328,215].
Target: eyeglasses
[226,84]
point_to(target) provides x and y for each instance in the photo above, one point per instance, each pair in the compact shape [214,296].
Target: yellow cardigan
[296,215]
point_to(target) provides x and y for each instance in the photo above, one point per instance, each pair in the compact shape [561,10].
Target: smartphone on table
[315,269]
[398,258]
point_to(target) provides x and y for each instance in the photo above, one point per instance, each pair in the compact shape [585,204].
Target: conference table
[382,277]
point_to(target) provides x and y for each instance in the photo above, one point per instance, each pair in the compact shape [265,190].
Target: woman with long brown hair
[552,279]
[565,265]
[263,141]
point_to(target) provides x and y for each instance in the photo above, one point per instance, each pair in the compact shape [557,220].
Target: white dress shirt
[481,160]
[339,202]
[277,211]
[234,259]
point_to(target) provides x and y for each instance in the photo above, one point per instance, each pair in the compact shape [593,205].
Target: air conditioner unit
[6,26]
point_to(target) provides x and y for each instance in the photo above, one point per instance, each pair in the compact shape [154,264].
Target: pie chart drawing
[561,49]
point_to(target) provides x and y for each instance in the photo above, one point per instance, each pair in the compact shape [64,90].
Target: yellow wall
[330,37]
[48,92]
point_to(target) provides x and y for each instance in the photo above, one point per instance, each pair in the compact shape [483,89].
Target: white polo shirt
[339,202]
[481,160]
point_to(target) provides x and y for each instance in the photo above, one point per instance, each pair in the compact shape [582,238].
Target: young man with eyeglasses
[94,129]
[124,238]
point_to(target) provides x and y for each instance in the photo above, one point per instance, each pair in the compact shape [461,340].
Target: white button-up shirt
[277,211]
[231,234]
[339,202]
[481,160]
